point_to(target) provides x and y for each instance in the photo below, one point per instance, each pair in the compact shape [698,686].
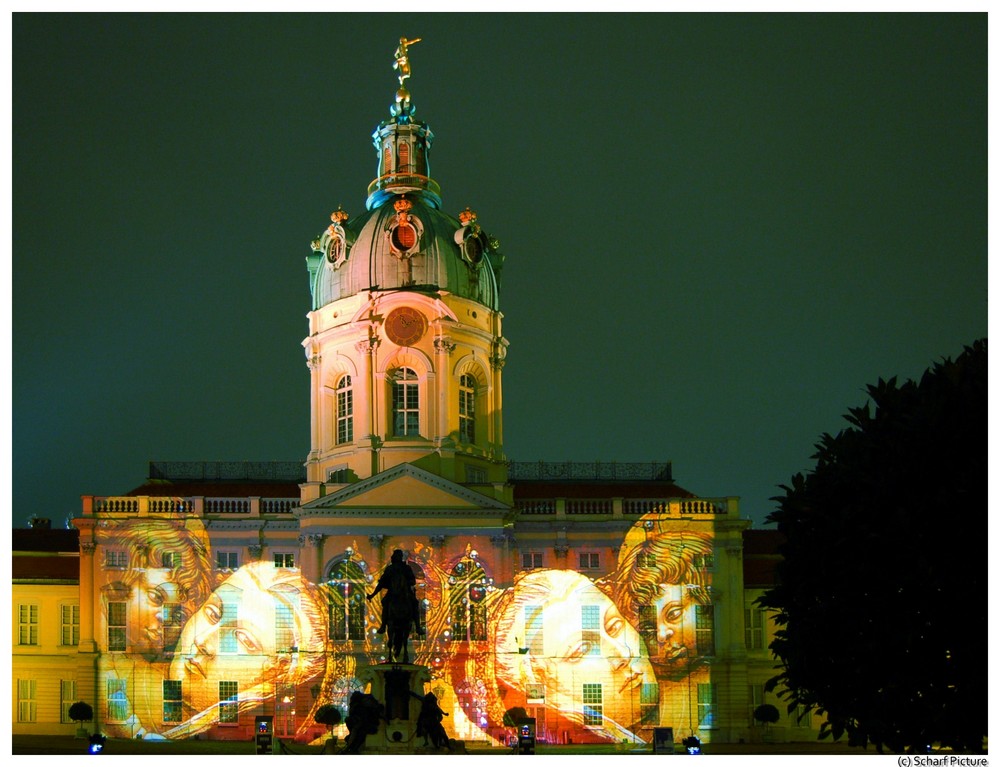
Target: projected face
[675,629]
[161,609]
[238,633]
[586,641]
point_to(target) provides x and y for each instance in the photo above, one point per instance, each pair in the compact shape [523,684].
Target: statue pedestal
[396,686]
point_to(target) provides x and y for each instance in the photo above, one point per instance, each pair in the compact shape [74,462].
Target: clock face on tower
[405,326]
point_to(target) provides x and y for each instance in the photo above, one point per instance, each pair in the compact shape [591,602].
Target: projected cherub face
[161,608]
[675,626]
[586,639]
[233,636]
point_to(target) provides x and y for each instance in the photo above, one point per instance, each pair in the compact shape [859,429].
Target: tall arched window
[345,411]
[386,159]
[346,582]
[404,158]
[405,403]
[468,590]
[467,409]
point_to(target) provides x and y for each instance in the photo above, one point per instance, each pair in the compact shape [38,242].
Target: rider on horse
[400,584]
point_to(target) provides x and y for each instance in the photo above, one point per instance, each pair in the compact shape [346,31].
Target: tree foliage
[81,712]
[329,715]
[766,714]
[880,598]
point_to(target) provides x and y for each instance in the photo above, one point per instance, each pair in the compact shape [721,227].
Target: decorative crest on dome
[467,215]
[402,206]
[339,216]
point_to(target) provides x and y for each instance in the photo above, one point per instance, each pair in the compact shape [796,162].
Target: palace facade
[603,600]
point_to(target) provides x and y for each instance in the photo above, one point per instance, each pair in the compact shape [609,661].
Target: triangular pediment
[403,488]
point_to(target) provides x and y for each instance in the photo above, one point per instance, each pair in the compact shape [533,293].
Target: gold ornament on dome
[339,216]
[402,64]
[467,215]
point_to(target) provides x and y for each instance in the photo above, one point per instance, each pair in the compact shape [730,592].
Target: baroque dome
[405,242]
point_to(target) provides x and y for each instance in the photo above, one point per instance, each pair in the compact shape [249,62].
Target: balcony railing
[144,505]
[405,181]
[628,507]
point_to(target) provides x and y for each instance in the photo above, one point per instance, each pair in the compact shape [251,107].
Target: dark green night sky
[718,228]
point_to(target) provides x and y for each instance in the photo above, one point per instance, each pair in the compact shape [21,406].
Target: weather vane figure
[402,64]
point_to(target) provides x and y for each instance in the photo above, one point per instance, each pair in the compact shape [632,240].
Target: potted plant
[766,714]
[329,715]
[81,712]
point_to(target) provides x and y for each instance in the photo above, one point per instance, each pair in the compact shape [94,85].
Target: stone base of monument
[399,687]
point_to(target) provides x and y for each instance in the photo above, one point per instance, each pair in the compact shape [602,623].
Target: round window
[404,237]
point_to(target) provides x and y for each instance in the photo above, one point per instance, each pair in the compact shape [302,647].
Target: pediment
[400,489]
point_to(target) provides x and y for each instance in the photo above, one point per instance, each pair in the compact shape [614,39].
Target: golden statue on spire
[402,64]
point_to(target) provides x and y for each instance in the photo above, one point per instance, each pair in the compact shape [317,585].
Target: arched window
[386,159]
[467,409]
[346,582]
[404,158]
[345,411]
[469,587]
[405,403]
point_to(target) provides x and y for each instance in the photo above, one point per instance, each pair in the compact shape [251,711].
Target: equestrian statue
[400,609]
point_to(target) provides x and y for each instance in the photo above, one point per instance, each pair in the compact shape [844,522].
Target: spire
[403,144]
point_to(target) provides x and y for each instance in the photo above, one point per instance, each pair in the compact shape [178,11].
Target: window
[704,629]
[67,697]
[404,157]
[469,615]
[229,702]
[649,703]
[116,626]
[69,624]
[27,619]
[284,626]
[347,601]
[227,560]
[284,559]
[593,705]
[706,705]
[405,403]
[172,618]
[755,697]
[467,409]
[645,559]
[118,708]
[531,560]
[169,560]
[801,718]
[754,628]
[590,629]
[386,159]
[229,623]
[116,558]
[172,704]
[345,411]
[703,561]
[647,626]
[27,690]
[589,560]
[533,635]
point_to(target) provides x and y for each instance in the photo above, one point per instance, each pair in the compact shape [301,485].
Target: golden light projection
[196,648]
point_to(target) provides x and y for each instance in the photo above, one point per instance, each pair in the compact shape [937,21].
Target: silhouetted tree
[881,593]
[81,712]
[766,714]
[329,715]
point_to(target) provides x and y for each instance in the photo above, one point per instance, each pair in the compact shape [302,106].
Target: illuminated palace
[602,599]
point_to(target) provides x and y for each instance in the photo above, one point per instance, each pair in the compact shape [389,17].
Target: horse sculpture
[399,607]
